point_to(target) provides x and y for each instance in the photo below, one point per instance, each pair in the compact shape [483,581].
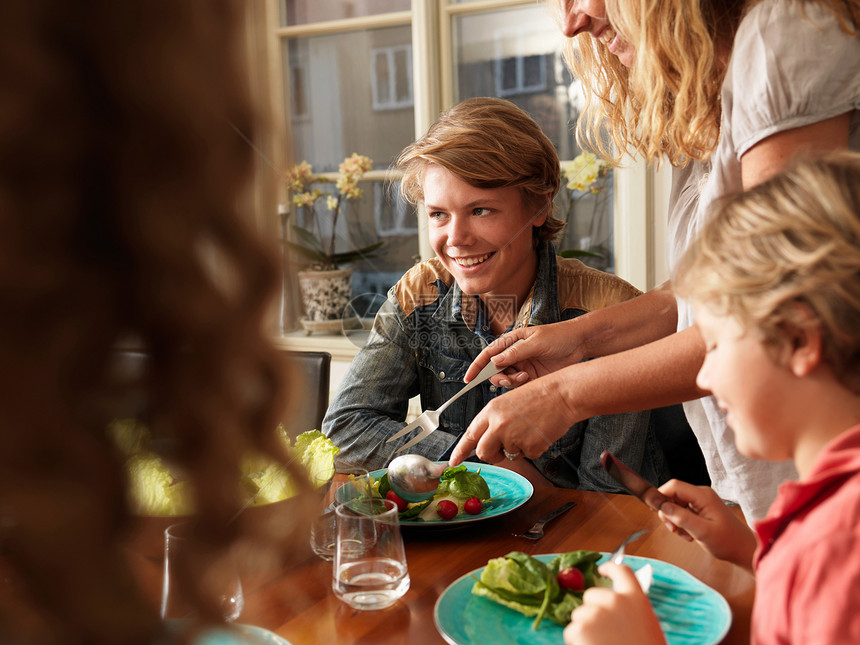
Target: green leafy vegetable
[527,585]
[463,484]
[448,473]
[384,485]
[414,510]
[156,489]
[458,483]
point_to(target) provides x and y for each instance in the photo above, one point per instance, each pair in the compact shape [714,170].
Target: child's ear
[806,346]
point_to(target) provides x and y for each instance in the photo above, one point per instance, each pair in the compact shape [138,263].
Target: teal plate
[690,612]
[238,634]
[508,489]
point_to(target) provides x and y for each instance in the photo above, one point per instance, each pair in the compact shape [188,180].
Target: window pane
[352,92]
[302,12]
[516,54]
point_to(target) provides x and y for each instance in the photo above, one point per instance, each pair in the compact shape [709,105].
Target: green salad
[543,590]
[460,491]
[157,489]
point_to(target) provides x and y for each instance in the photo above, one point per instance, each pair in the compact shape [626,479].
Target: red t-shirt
[808,561]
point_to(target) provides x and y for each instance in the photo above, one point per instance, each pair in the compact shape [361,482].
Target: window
[391,77]
[369,76]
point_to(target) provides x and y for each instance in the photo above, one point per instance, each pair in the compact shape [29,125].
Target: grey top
[790,66]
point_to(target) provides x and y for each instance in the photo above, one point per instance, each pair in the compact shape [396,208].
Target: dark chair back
[309,375]
[312,372]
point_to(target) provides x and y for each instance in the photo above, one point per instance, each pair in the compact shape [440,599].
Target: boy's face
[482,236]
[747,385]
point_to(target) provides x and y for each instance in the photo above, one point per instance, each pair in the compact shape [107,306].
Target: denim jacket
[423,340]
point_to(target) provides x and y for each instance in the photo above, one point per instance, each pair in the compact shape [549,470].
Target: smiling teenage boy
[486,176]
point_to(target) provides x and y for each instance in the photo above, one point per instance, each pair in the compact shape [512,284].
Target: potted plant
[585,176]
[325,284]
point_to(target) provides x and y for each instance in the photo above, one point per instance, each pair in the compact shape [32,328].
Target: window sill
[341,347]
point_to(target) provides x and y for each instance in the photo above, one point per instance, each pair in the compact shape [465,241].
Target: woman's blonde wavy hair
[792,240]
[488,143]
[121,168]
[668,103]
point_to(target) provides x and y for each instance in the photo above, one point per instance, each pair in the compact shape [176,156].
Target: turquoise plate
[508,489]
[238,634]
[690,612]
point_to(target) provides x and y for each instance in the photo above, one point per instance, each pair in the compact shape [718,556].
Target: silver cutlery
[634,483]
[617,556]
[536,531]
[428,421]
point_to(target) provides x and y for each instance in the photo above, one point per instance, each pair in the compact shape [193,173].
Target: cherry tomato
[473,506]
[394,497]
[446,509]
[571,578]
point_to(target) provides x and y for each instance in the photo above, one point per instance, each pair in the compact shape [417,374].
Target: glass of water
[369,560]
[222,586]
[349,484]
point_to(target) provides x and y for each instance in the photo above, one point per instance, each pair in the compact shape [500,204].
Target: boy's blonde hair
[786,248]
[488,143]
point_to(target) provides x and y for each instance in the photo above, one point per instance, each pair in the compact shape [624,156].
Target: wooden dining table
[297,602]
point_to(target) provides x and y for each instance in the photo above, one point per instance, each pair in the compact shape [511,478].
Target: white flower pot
[326,296]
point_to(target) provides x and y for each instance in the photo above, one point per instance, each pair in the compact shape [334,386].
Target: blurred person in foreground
[727,91]
[485,176]
[775,282]
[120,172]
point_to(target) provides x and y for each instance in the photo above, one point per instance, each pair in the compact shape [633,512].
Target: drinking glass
[349,484]
[369,561]
[222,585]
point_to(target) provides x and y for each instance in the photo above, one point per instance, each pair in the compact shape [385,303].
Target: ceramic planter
[326,296]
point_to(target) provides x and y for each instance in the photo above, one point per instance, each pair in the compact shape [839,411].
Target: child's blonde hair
[792,240]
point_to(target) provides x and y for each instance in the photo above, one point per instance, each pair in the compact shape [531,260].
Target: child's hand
[621,615]
[702,516]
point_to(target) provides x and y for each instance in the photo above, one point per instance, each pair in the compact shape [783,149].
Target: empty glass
[370,561]
[222,585]
[348,484]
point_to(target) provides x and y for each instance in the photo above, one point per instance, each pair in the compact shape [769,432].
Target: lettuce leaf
[155,489]
[527,585]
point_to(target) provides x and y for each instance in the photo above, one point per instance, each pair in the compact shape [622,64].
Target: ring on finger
[510,456]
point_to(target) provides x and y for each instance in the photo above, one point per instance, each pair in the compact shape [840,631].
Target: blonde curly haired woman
[727,91]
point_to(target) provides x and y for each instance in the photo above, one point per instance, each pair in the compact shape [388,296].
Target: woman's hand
[621,615]
[520,421]
[698,514]
[541,350]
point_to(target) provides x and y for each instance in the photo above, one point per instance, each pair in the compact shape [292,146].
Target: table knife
[633,482]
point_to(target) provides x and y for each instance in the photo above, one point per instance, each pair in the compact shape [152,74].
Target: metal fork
[429,419]
[536,531]
[645,574]
[617,556]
